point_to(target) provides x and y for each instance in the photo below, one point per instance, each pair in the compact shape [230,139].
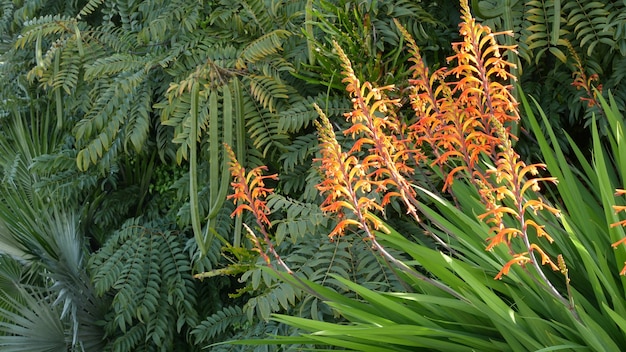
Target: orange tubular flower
[581,81]
[344,176]
[249,189]
[376,127]
[250,193]
[617,209]
[520,259]
[461,115]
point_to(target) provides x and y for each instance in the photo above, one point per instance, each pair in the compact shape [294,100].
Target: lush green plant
[515,267]
[138,97]
[39,233]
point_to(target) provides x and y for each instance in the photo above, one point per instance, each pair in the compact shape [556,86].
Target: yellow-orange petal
[518,259]
[545,259]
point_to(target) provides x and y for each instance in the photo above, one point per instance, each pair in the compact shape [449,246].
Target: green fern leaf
[589,20]
[300,150]
[264,46]
[218,323]
[90,7]
[541,38]
[259,13]
[149,276]
[298,116]
[266,89]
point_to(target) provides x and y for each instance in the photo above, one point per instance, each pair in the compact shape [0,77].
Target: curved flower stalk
[510,181]
[461,126]
[249,194]
[584,82]
[485,107]
[462,114]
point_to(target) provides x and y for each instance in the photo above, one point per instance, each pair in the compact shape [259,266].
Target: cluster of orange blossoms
[460,127]
[460,118]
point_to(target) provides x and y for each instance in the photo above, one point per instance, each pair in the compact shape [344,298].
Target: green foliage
[218,323]
[148,275]
[127,89]
[300,219]
[35,324]
[42,231]
[451,300]
[367,33]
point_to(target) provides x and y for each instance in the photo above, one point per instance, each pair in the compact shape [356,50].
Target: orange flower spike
[387,197]
[341,170]
[538,204]
[375,221]
[249,189]
[503,192]
[617,209]
[619,223]
[340,228]
[581,81]
[522,169]
[534,183]
[499,210]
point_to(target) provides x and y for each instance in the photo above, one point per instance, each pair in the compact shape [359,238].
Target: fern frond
[589,20]
[300,115]
[278,297]
[301,218]
[259,13]
[89,8]
[227,318]
[174,16]
[117,39]
[149,276]
[113,64]
[542,37]
[137,124]
[43,27]
[108,114]
[266,45]
[300,150]
[266,90]
[6,17]
[262,127]
[130,340]
[176,269]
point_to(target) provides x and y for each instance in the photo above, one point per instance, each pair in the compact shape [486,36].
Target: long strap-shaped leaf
[241,147]
[57,91]
[218,186]
[219,175]
[193,168]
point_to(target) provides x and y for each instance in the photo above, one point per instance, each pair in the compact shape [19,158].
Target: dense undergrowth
[115,228]
[513,267]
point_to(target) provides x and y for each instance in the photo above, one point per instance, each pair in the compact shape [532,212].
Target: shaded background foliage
[126,103]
